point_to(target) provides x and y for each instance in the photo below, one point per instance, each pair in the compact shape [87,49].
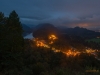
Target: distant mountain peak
[45,29]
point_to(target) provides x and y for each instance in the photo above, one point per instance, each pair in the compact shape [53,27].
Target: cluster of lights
[41,43]
[51,42]
[52,37]
[72,53]
[55,50]
[90,51]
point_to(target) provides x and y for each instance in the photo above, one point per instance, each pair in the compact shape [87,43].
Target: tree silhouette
[3,32]
[14,30]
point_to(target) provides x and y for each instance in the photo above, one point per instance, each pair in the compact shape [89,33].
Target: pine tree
[1,17]
[14,23]
[1,26]
[2,31]
[11,40]
[14,28]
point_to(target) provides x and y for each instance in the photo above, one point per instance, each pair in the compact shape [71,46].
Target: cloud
[84,13]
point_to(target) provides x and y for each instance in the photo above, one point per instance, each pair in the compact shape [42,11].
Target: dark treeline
[11,40]
[20,56]
[11,32]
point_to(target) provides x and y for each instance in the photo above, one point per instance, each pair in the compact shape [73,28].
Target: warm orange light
[39,43]
[90,51]
[52,37]
[72,53]
[42,43]
[51,42]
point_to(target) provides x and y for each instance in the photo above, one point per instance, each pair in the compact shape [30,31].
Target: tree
[14,23]
[1,17]
[11,40]
[2,31]
[1,27]
[14,30]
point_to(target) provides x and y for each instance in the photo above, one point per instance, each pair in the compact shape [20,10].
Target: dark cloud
[84,13]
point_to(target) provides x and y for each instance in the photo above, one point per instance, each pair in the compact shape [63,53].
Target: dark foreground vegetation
[23,57]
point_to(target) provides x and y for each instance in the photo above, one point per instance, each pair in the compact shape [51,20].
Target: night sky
[69,13]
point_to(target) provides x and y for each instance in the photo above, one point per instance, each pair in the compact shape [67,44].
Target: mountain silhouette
[44,30]
[82,32]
